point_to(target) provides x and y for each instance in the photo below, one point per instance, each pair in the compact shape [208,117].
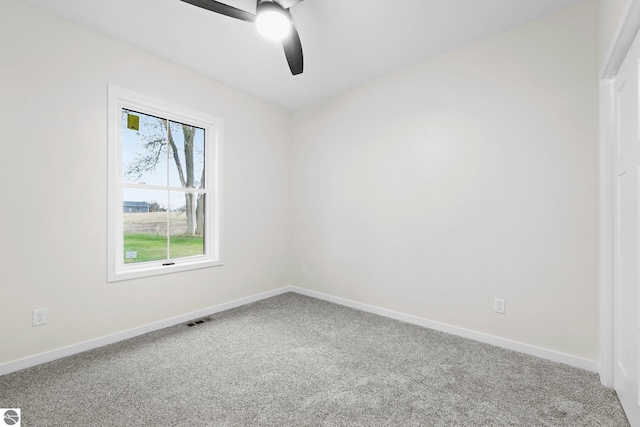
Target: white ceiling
[346,42]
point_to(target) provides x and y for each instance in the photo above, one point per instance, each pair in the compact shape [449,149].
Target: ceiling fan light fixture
[272,21]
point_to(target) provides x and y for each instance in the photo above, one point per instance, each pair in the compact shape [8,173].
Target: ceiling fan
[271,15]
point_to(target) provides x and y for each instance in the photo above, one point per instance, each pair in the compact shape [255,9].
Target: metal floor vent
[199,321]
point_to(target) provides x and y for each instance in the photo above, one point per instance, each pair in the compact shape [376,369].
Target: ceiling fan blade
[293,51]
[223,9]
[288,3]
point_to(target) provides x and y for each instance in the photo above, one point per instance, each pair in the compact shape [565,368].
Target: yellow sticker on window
[133,122]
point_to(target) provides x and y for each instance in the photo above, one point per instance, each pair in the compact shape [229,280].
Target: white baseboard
[567,359]
[49,356]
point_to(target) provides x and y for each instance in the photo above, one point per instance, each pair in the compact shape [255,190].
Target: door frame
[625,34]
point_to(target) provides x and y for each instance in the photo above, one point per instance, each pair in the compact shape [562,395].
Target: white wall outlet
[39,317]
[304,270]
[499,305]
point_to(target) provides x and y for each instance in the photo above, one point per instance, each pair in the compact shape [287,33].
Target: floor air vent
[199,321]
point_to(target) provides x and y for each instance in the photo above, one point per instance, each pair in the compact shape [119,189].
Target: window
[165,202]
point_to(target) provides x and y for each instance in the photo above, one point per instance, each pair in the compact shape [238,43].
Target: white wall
[428,192]
[467,177]
[610,13]
[53,168]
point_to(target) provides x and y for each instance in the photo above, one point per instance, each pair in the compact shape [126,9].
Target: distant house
[135,207]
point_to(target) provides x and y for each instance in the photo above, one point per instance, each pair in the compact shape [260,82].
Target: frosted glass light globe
[273,22]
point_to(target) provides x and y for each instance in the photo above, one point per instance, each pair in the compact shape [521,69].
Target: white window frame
[119,99]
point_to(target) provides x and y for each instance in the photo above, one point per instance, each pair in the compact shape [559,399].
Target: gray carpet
[297,361]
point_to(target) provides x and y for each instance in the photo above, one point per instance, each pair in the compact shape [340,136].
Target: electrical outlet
[39,317]
[499,305]
[304,270]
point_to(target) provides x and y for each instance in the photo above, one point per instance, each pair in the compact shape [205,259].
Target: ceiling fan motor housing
[270,6]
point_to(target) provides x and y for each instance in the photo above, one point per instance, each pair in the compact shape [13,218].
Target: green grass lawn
[151,247]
